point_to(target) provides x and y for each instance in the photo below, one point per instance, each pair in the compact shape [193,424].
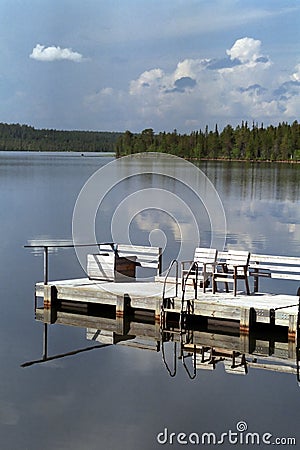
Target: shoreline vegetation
[16,137]
[256,143]
[244,143]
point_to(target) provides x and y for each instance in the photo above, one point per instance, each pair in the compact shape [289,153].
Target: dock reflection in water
[195,345]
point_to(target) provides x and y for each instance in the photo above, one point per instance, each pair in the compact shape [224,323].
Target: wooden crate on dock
[111,267]
[125,268]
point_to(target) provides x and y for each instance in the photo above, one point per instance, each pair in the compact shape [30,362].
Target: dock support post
[122,326]
[122,309]
[158,310]
[292,331]
[272,317]
[50,297]
[244,330]
[122,305]
[247,320]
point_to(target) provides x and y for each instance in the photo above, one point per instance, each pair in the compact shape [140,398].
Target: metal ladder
[187,306]
[168,303]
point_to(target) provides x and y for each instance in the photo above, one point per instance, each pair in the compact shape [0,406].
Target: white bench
[271,266]
[118,262]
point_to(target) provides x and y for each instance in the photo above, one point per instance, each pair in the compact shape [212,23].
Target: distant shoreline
[288,161]
[244,143]
[93,154]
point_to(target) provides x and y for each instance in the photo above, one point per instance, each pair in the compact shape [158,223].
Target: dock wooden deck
[276,309]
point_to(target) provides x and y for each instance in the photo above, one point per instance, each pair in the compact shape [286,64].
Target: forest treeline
[273,143]
[27,138]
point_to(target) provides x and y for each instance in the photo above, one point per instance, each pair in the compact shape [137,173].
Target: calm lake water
[119,397]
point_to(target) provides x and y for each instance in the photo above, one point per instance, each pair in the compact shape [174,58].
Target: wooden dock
[112,282]
[161,301]
[116,307]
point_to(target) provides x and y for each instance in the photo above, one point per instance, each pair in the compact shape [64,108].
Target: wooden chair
[233,268]
[200,269]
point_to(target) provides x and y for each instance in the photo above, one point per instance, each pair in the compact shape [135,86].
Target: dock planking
[145,297]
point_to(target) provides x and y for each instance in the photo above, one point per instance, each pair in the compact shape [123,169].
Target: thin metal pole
[63,355]
[45,265]
[45,342]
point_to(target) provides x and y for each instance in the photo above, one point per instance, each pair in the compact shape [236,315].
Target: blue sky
[133,64]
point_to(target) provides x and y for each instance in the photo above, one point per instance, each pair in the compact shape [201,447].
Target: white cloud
[42,53]
[147,79]
[243,86]
[107,91]
[211,92]
[292,107]
[296,75]
[245,50]
[190,68]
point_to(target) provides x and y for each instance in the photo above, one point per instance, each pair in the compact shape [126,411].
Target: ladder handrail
[171,373]
[193,268]
[191,376]
[174,261]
